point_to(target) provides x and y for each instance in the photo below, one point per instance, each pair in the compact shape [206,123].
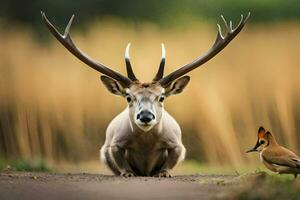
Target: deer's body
[144,139]
[146,153]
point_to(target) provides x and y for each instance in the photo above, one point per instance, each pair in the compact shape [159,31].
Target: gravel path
[44,186]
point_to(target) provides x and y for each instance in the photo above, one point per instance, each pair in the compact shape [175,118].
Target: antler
[220,43]
[67,42]
[160,72]
[130,73]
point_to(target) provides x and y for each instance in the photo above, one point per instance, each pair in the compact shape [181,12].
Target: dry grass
[52,106]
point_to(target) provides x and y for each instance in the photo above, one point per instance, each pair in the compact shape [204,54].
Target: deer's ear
[178,86]
[112,86]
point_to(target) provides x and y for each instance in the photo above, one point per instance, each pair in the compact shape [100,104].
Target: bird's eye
[128,98]
[262,142]
[161,99]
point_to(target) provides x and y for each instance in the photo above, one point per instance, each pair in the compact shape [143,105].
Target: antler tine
[130,73]
[67,29]
[225,22]
[160,72]
[67,42]
[230,25]
[220,43]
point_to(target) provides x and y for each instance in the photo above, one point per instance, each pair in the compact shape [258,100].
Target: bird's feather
[281,156]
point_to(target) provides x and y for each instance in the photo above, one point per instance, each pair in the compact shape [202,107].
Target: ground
[27,185]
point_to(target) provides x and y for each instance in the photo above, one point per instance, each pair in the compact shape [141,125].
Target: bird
[274,156]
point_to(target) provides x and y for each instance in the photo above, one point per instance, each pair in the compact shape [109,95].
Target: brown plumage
[275,157]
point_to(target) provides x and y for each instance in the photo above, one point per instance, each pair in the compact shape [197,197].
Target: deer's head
[145,100]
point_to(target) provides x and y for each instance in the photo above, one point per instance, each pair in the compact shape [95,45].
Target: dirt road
[44,186]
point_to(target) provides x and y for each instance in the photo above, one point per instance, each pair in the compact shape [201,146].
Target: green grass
[193,166]
[275,187]
[37,165]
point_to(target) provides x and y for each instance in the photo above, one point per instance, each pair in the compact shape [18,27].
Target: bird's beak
[254,149]
[251,150]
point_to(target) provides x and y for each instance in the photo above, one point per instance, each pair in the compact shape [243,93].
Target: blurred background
[54,110]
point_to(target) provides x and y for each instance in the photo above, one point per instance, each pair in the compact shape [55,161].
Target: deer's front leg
[175,155]
[118,155]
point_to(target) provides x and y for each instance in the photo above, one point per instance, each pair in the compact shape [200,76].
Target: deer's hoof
[127,174]
[163,173]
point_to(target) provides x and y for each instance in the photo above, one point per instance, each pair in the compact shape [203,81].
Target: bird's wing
[282,157]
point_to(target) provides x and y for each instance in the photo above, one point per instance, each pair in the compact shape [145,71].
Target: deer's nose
[145,116]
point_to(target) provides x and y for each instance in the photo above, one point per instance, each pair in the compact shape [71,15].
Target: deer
[144,139]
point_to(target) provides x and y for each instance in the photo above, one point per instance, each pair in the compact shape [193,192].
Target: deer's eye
[161,99]
[128,98]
